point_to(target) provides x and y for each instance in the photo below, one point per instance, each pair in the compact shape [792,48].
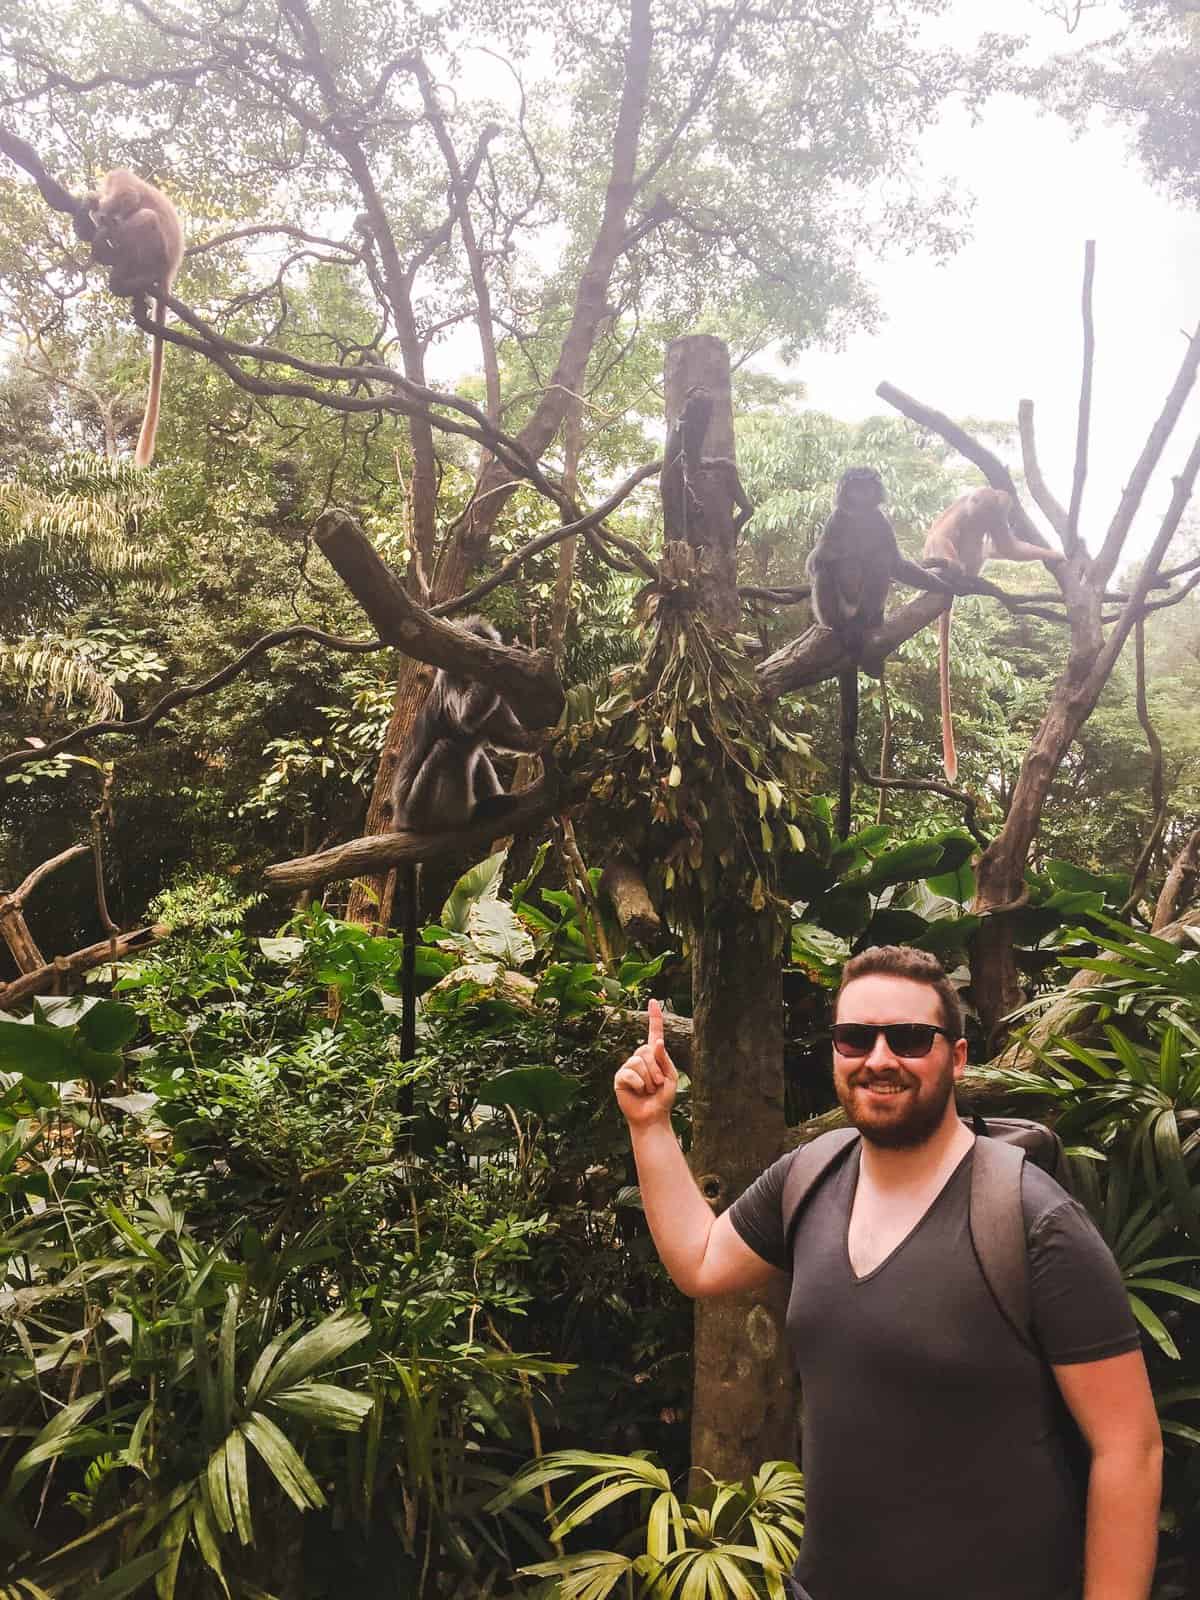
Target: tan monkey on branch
[972,530]
[136,233]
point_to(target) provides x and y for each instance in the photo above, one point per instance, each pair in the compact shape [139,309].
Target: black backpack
[997,1223]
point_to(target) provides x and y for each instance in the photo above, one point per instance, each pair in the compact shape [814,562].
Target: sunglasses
[903,1038]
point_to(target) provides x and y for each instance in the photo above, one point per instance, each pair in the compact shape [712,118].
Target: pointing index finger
[654,1031]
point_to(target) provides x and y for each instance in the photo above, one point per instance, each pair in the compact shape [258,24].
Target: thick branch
[25,156]
[525,678]
[927,786]
[626,888]
[79,962]
[381,851]
[818,653]
[1136,604]
[591,294]
[18,897]
[990,464]
[1158,800]
[1180,884]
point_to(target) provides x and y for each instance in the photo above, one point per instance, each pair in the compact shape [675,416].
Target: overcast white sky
[1000,321]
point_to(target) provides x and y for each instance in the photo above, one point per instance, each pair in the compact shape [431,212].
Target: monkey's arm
[505,731]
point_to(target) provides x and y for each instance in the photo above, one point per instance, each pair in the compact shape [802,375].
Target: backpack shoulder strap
[808,1166]
[998,1230]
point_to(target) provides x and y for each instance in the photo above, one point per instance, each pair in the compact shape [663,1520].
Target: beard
[903,1121]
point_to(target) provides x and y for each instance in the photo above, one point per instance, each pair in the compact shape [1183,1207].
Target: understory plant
[735,1542]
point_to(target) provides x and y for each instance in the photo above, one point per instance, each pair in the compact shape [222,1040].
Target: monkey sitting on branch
[445,780]
[136,233]
[975,528]
[851,568]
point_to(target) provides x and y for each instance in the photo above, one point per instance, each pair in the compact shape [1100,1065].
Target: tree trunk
[1180,885]
[742,1406]
[743,1402]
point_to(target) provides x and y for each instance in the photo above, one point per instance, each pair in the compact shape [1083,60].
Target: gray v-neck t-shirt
[940,1462]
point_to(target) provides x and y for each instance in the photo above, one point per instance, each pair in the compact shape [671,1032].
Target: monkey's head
[860,489]
[995,503]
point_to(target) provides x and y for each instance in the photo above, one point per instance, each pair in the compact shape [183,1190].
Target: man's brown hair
[900,961]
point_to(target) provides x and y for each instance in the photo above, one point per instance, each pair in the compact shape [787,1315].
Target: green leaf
[843,910]
[326,1405]
[130,1577]
[239,1486]
[320,1347]
[281,1457]
[1153,1327]
[108,1026]
[894,925]
[48,1055]
[958,885]
[948,934]
[541,1090]
[916,858]
[1171,1164]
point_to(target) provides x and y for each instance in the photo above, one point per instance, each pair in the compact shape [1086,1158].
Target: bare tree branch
[1050,508]
[381,851]
[79,962]
[990,464]
[567,530]
[1135,489]
[186,692]
[1071,538]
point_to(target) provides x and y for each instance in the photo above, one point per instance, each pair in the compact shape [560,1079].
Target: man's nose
[880,1055]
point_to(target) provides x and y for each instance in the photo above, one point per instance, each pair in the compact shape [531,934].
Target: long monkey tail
[408,884]
[848,687]
[144,454]
[949,753]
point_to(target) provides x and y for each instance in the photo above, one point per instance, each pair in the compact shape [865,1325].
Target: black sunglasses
[903,1038]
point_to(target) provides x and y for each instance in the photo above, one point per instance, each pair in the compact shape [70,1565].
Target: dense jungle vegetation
[286,1313]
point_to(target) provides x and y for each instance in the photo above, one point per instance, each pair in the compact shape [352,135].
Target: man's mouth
[883,1088]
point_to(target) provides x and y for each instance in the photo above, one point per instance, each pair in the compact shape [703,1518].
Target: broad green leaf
[239,1486]
[320,1347]
[1171,1165]
[48,1055]
[327,1405]
[108,1026]
[281,1457]
[916,858]
[541,1090]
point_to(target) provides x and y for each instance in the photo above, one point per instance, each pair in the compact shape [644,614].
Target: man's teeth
[886,1088]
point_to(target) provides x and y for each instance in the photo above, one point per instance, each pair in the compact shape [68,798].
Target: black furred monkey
[445,780]
[852,567]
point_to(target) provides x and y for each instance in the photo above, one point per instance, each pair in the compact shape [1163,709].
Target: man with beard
[945,1457]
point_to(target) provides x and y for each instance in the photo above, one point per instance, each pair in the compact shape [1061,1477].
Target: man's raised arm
[704,1254]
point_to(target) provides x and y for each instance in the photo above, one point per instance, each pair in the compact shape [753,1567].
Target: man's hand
[645,1084]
